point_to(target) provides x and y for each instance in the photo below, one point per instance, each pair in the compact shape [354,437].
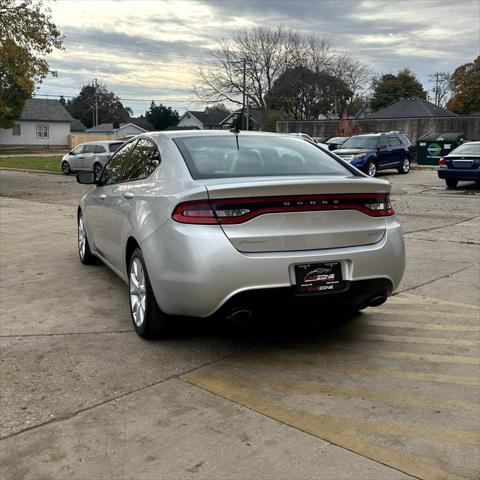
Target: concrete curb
[30,171]
[414,166]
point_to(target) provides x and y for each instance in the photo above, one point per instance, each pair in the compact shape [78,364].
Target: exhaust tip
[377,301]
[240,314]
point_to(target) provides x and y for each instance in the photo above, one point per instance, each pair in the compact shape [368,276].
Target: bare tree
[251,60]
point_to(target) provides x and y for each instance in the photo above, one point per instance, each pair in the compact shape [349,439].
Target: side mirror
[331,146]
[86,178]
[381,147]
[71,153]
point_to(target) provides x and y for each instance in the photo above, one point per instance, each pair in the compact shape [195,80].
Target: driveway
[392,393]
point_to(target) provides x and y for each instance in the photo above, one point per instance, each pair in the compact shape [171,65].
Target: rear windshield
[115,146]
[254,156]
[361,142]
[467,149]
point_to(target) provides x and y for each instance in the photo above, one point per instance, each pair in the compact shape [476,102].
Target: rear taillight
[239,210]
[442,163]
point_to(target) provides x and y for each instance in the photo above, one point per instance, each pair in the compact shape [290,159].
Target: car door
[397,150]
[111,175]
[383,152]
[117,207]
[87,156]
[75,157]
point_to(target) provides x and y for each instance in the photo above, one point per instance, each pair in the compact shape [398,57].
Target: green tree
[304,94]
[27,35]
[465,84]
[110,109]
[161,117]
[389,88]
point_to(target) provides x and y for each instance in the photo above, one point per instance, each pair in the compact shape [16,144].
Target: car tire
[66,168]
[84,252]
[371,168]
[404,167]
[451,183]
[97,169]
[148,320]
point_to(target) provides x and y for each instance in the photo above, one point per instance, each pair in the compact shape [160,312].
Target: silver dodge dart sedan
[199,222]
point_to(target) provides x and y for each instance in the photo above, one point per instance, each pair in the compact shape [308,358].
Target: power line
[54,95]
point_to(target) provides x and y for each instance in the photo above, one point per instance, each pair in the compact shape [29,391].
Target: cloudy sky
[146,50]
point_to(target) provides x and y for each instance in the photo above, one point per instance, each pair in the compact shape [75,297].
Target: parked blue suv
[378,151]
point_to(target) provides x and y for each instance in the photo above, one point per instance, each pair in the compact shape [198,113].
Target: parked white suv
[91,156]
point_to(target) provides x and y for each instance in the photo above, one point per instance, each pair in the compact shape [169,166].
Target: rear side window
[254,156]
[142,162]
[394,142]
[115,146]
[113,169]
[100,149]
[89,149]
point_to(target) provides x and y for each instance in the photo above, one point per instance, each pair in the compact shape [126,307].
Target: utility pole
[437,78]
[244,123]
[96,103]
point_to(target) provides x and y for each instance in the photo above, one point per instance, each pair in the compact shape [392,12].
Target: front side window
[255,155]
[143,161]
[113,169]
[42,130]
[363,141]
[78,150]
[17,130]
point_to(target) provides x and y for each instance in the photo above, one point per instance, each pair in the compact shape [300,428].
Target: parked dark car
[378,151]
[335,142]
[461,164]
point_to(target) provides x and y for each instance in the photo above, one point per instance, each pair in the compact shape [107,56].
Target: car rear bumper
[459,174]
[195,270]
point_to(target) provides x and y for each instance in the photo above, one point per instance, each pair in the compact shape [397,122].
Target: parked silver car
[198,222]
[90,156]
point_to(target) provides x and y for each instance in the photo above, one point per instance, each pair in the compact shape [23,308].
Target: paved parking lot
[393,393]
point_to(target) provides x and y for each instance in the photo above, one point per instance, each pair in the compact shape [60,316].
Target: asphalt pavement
[392,393]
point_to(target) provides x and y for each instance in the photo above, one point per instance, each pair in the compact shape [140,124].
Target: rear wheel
[148,320]
[97,169]
[66,168]
[451,183]
[371,168]
[404,167]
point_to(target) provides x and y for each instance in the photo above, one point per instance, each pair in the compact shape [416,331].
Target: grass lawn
[50,164]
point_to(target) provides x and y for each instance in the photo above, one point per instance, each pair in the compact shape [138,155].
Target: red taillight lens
[442,162]
[239,210]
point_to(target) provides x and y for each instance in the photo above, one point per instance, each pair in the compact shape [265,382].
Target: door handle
[102,196]
[128,195]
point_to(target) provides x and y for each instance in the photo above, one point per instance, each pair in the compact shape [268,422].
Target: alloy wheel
[81,238]
[138,292]
[372,169]
[406,165]
[97,169]
[65,168]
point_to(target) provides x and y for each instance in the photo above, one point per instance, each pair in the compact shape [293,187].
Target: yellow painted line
[425,313]
[321,426]
[320,388]
[377,352]
[419,339]
[284,364]
[420,325]
[403,298]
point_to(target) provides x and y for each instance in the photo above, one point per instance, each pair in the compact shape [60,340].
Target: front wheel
[451,183]
[148,320]
[66,168]
[86,256]
[404,167]
[371,168]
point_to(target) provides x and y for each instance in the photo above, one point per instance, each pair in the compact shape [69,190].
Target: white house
[43,123]
[202,120]
[123,130]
